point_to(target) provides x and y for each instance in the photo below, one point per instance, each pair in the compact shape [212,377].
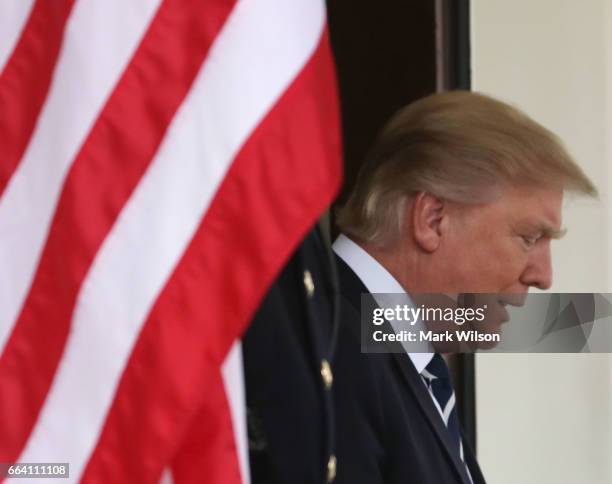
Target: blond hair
[455,145]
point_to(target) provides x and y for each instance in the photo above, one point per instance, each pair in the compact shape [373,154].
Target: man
[460,194]
[288,351]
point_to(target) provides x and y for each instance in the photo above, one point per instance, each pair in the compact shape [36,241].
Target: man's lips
[504,300]
[505,317]
[512,299]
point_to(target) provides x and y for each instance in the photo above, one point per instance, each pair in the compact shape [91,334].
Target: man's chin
[485,345]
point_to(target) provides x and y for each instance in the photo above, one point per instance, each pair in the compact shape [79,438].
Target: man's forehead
[538,207]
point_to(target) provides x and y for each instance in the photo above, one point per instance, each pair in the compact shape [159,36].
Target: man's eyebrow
[551,233]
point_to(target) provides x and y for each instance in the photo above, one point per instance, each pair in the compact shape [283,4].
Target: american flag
[159,161]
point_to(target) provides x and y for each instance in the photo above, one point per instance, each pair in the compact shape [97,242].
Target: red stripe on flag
[108,167]
[26,78]
[210,441]
[283,178]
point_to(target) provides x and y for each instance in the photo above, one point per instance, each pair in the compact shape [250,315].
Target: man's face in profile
[503,247]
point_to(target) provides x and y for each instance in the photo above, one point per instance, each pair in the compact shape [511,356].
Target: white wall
[548,418]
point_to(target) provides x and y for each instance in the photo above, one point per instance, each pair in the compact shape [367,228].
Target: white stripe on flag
[101,36]
[13,16]
[262,47]
[166,477]
[233,381]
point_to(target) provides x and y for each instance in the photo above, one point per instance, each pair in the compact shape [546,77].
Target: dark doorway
[386,57]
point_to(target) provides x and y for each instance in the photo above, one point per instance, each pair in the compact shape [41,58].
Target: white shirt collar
[376,279]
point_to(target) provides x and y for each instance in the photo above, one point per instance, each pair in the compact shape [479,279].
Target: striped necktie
[437,378]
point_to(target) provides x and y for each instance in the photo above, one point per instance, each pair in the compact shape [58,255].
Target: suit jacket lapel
[470,460]
[352,288]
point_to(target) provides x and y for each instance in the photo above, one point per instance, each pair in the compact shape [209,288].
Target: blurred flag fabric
[159,161]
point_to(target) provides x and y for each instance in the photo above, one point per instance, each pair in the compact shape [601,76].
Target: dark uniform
[288,351]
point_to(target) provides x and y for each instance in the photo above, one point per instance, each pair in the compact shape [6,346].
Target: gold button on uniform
[326,374]
[308,283]
[331,468]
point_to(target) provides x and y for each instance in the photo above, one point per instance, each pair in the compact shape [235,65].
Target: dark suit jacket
[290,414]
[389,430]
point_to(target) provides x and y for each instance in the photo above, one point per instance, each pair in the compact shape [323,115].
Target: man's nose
[538,272]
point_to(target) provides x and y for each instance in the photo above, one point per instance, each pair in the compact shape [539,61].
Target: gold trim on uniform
[309,283]
[331,468]
[326,374]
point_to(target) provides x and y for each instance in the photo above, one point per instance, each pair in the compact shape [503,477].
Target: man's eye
[529,241]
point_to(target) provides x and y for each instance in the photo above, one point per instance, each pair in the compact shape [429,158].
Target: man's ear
[427,217]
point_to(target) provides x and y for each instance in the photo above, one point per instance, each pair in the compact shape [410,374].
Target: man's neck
[397,263]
